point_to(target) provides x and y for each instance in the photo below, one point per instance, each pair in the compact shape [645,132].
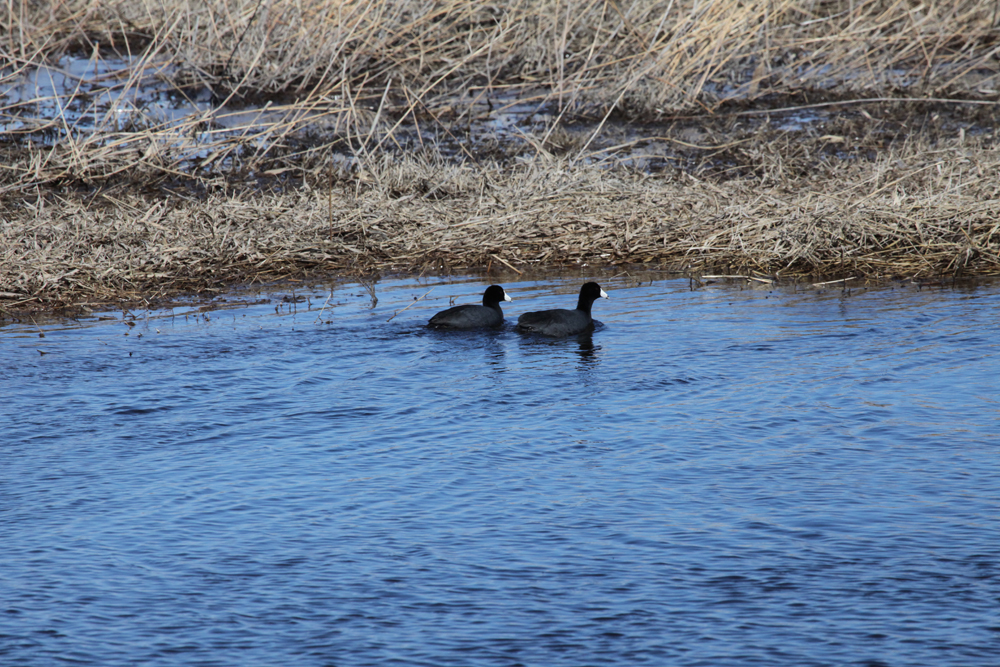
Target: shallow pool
[717,476]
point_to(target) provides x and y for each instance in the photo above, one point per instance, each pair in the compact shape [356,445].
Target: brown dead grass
[673,55]
[361,68]
[147,210]
[914,212]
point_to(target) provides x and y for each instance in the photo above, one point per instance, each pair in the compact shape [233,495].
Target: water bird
[471,316]
[561,322]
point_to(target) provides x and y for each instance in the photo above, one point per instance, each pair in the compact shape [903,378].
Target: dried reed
[668,55]
[87,218]
[917,211]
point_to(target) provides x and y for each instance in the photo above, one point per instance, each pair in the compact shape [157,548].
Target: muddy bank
[916,210]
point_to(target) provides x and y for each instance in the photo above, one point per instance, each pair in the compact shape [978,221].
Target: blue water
[716,477]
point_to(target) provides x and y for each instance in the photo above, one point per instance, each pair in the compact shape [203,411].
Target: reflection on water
[587,348]
[583,345]
[719,476]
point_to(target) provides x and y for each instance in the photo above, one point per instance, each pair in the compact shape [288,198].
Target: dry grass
[914,212]
[363,67]
[662,55]
[339,177]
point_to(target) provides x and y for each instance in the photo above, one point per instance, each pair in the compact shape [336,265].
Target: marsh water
[726,475]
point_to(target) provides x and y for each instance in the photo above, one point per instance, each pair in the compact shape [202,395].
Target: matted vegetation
[367,157]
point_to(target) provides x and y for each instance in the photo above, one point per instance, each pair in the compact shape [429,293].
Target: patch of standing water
[81,97]
[92,94]
[89,95]
[721,476]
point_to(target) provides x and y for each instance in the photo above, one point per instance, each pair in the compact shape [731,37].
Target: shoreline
[135,246]
[299,289]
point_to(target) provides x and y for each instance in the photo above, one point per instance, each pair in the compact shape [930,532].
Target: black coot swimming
[473,317]
[564,322]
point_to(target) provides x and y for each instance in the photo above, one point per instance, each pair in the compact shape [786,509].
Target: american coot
[564,322]
[472,317]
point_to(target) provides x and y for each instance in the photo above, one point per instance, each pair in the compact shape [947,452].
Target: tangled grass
[365,158]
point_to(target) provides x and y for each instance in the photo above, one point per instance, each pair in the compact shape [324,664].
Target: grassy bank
[915,213]
[670,134]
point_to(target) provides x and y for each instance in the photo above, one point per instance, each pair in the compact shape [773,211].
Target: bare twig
[410,304]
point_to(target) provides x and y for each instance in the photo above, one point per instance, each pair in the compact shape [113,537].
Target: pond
[725,475]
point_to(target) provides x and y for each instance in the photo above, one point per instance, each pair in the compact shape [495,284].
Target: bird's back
[467,317]
[559,322]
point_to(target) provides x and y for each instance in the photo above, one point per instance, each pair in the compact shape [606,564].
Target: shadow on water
[580,347]
[587,350]
[488,340]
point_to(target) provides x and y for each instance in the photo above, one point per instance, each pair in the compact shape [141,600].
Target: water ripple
[711,478]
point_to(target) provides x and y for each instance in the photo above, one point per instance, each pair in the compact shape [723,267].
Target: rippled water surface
[722,476]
